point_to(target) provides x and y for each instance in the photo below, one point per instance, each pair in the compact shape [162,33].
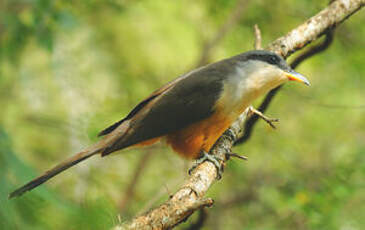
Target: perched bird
[190,112]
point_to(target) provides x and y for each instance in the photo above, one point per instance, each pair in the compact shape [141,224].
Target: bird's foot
[209,157]
[268,120]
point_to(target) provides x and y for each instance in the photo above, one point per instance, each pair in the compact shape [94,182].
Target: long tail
[75,159]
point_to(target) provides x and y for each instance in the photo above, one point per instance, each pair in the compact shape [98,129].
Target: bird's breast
[233,99]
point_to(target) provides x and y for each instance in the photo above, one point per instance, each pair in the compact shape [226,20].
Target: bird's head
[265,70]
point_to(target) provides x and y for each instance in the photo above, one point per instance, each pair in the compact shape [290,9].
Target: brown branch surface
[315,27]
[190,196]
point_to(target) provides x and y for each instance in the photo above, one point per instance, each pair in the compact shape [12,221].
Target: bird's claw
[209,157]
[230,154]
[268,120]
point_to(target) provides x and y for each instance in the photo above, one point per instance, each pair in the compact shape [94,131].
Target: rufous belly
[200,136]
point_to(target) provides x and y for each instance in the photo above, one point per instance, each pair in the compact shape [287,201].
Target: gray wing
[187,100]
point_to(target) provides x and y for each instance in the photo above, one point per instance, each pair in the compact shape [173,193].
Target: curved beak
[294,76]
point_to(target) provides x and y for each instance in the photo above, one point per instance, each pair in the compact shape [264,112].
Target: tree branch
[316,26]
[190,196]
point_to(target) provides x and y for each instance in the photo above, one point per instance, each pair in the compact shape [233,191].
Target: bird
[191,112]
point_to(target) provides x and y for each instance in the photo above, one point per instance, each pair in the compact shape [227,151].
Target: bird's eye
[273,60]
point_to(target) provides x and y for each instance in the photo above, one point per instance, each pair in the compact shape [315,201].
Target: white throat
[247,82]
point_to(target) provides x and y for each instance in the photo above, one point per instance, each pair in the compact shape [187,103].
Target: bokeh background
[68,69]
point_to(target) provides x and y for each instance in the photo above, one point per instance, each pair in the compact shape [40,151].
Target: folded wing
[184,101]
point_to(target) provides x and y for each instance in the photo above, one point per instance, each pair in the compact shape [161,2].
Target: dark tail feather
[54,171]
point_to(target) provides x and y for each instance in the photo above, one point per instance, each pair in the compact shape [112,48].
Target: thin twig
[258,40]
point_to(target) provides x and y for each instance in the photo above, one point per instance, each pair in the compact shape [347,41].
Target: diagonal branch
[190,196]
[315,27]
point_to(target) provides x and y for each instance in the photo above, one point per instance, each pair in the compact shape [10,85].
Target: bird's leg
[229,133]
[204,156]
[268,120]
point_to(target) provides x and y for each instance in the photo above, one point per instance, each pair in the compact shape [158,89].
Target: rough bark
[190,196]
[315,27]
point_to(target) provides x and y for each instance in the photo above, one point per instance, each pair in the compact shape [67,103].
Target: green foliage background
[70,68]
